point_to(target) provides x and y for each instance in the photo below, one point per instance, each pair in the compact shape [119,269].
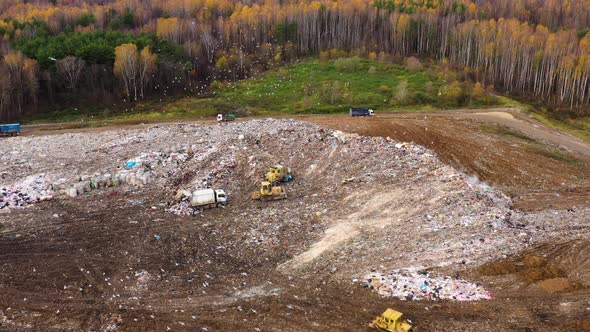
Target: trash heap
[218,173]
[14,199]
[413,285]
[174,156]
[395,192]
[31,190]
[182,208]
[137,173]
[137,177]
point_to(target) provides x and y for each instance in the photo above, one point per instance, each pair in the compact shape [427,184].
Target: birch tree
[126,68]
[70,68]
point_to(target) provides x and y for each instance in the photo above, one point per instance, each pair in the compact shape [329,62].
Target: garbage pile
[218,173]
[86,184]
[182,208]
[31,190]
[136,176]
[174,156]
[358,193]
[13,199]
[137,172]
[413,285]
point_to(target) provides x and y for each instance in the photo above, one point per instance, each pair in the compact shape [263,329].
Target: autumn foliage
[68,51]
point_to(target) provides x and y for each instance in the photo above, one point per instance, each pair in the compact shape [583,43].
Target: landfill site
[455,220]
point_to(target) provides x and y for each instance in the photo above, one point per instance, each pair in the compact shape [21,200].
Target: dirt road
[516,120]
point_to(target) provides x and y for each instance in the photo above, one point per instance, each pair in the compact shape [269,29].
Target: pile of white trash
[414,285]
[32,189]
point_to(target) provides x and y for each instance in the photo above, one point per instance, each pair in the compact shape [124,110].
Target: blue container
[10,129]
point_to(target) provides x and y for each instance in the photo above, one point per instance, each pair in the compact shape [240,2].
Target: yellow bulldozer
[391,321]
[269,192]
[279,173]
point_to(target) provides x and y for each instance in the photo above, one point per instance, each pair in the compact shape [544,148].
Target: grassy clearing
[152,111]
[317,86]
[307,87]
[509,102]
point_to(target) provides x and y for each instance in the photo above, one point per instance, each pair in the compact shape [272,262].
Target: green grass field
[319,87]
[307,87]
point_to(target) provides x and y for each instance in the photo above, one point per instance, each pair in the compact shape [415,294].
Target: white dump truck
[226,117]
[204,197]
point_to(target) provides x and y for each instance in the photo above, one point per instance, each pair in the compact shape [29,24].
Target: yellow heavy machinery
[279,173]
[269,192]
[391,321]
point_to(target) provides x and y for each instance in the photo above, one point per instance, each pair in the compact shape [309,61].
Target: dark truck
[9,129]
[357,111]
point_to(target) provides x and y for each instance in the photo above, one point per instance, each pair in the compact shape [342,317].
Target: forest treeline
[58,53]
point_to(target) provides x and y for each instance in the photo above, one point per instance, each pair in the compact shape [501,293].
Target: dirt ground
[92,263]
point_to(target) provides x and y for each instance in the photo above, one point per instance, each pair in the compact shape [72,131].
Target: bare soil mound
[552,266]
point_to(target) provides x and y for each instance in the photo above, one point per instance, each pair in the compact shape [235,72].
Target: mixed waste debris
[356,201]
[420,285]
[31,190]
[14,199]
[182,208]
[137,173]
[398,190]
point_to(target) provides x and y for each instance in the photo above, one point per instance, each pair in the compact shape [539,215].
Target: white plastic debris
[412,285]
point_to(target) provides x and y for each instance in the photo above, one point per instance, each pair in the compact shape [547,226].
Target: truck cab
[221,196]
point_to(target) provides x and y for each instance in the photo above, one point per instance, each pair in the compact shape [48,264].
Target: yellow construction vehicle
[269,192]
[391,321]
[279,173]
